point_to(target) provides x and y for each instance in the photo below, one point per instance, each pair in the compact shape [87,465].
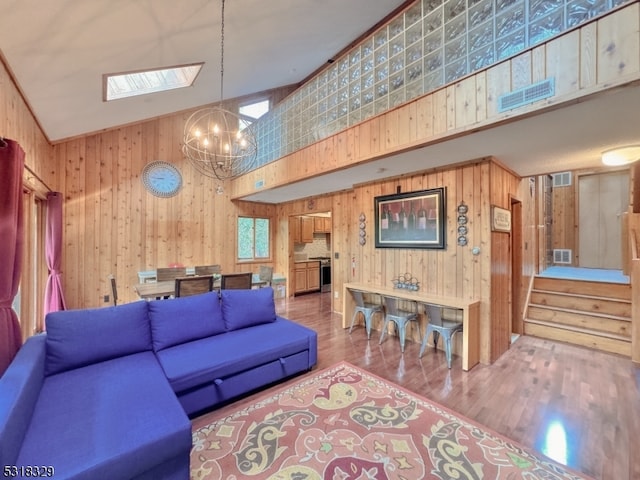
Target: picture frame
[411,220]
[500,219]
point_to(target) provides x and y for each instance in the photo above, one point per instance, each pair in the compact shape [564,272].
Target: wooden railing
[634,252]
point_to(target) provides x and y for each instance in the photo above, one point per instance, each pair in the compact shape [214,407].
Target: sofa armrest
[19,390]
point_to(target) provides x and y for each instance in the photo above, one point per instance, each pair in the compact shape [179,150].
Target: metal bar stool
[367,309]
[399,317]
[439,326]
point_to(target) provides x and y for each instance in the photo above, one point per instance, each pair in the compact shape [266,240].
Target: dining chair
[114,289]
[400,317]
[193,285]
[170,273]
[208,269]
[367,309]
[237,281]
[439,326]
[265,275]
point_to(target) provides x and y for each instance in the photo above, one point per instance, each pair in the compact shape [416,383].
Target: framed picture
[500,219]
[411,220]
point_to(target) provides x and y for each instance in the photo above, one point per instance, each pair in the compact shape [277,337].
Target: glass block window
[431,44]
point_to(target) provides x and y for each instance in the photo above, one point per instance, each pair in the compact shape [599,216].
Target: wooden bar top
[470,314]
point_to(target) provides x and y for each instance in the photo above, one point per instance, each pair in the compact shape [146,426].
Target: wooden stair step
[619,318]
[581,295]
[586,331]
[577,337]
[583,287]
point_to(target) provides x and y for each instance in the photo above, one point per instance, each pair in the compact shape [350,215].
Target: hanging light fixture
[217,142]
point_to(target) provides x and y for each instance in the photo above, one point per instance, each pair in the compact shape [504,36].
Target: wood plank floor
[578,406]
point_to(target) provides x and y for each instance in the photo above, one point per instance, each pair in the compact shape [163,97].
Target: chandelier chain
[217,142]
[222,54]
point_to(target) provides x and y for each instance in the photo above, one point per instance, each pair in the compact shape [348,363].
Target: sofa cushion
[109,420]
[183,319]
[245,308]
[19,390]
[213,358]
[76,338]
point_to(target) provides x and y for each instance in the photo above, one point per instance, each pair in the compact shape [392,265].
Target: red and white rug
[345,423]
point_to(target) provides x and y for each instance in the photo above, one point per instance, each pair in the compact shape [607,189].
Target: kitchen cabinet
[294,229]
[307,277]
[306,229]
[322,224]
[301,229]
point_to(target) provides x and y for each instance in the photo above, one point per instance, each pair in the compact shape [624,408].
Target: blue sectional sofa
[107,393]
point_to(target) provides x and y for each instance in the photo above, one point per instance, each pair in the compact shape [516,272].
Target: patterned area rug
[344,423]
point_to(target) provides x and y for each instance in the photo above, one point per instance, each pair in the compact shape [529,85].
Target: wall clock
[162,179]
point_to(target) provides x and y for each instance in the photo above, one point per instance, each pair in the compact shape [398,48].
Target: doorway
[517,286]
[602,198]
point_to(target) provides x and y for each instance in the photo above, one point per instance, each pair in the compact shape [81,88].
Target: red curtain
[11,245]
[53,295]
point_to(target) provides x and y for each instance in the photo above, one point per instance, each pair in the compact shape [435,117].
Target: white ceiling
[58,51]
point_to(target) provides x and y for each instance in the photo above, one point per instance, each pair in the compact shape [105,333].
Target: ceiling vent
[562,256]
[562,179]
[526,95]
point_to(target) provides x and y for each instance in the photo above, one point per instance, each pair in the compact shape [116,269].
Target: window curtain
[53,295]
[11,246]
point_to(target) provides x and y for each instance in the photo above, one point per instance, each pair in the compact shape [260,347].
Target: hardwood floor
[578,406]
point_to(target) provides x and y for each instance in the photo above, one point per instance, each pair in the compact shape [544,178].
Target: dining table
[166,288]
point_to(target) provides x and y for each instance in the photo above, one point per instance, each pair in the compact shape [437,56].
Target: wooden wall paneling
[588,56]
[538,63]
[498,82]
[439,106]
[563,62]
[481,96]
[451,106]
[448,261]
[408,116]
[424,112]
[482,192]
[563,233]
[465,102]
[521,70]
[104,161]
[390,130]
[618,44]
[74,220]
[341,155]
[94,274]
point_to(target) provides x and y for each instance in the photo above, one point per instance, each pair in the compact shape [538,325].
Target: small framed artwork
[500,219]
[411,220]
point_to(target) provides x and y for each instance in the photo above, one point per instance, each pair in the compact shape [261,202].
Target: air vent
[526,95]
[562,179]
[562,255]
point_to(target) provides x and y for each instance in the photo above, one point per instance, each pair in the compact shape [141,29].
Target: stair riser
[619,327]
[576,338]
[611,290]
[594,305]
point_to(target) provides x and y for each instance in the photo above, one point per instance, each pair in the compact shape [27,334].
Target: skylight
[130,84]
[251,112]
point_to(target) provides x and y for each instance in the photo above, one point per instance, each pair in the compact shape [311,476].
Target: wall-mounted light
[621,155]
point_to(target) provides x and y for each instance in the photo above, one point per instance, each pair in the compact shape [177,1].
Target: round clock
[162,179]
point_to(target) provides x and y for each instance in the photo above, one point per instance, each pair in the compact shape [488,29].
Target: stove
[323,260]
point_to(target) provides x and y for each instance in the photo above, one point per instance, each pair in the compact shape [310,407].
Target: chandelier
[217,142]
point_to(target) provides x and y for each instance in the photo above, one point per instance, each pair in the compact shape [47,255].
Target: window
[130,84]
[252,112]
[253,238]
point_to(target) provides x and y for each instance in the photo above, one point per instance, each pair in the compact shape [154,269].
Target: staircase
[591,314]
